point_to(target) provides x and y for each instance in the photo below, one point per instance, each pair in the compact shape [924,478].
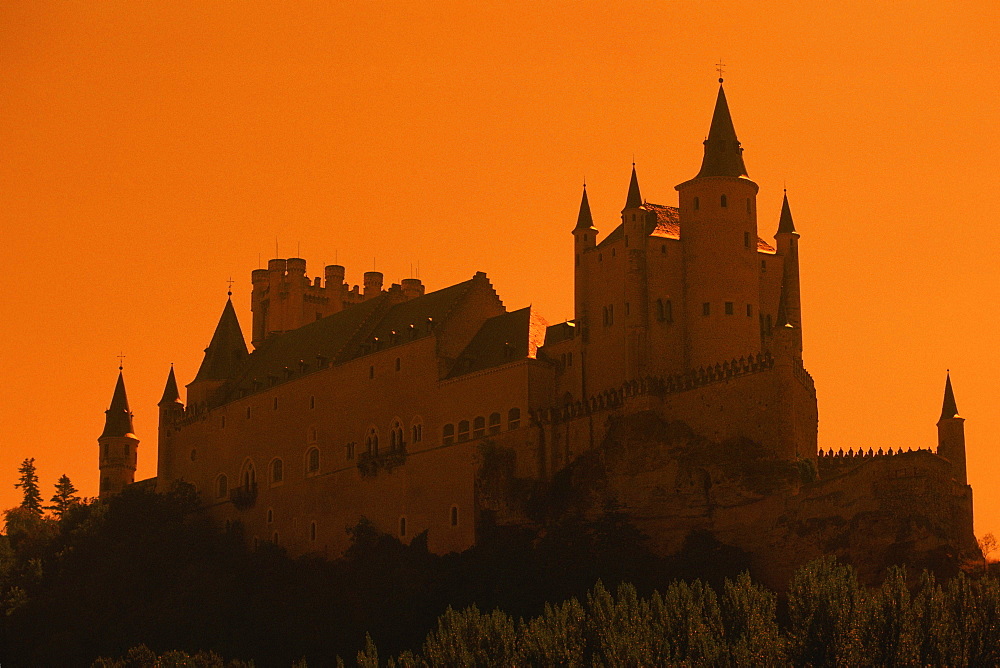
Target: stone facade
[393,404]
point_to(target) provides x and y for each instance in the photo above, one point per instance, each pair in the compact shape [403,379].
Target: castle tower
[171,409]
[118,445]
[223,357]
[584,238]
[718,212]
[634,219]
[790,305]
[951,433]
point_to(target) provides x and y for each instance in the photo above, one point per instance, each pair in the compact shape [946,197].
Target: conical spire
[170,393]
[948,408]
[118,420]
[723,155]
[785,224]
[585,220]
[634,199]
[227,350]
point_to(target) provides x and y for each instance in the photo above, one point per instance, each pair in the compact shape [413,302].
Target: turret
[117,444]
[584,238]
[951,434]
[335,288]
[789,305]
[171,410]
[223,358]
[718,212]
[373,284]
[636,289]
[412,288]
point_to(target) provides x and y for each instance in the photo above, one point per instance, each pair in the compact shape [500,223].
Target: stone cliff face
[903,509]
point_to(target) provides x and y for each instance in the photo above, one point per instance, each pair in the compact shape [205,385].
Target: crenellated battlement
[285,298]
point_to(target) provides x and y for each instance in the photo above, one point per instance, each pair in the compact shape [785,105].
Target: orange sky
[148,151]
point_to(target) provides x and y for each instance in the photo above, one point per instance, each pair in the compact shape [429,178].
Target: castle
[380,403]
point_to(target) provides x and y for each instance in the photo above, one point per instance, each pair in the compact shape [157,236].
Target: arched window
[448,434]
[494,423]
[221,486]
[270,515]
[513,418]
[277,471]
[312,461]
[463,430]
[396,437]
[479,427]
[416,431]
[454,516]
[371,442]
[749,209]
[127,449]
[249,475]
[194,453]
[402,527]
[697,204]
[723,203]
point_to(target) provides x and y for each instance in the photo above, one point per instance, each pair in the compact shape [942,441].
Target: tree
[64,497]
[987,544]
[28,482]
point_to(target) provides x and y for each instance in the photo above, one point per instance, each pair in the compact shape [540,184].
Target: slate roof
[723,155]
[502,339]
[118,417]
[227,350]
[666,226]
[344,336]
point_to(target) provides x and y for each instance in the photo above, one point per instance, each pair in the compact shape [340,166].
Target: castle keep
[386,403]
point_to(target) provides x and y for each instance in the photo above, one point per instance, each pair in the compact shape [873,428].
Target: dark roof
[634,199]
[584,221]
[785,224]
[118,417]
[949,409]
[723,154]
[563,331]
[345,335]
[667,225]
[502,339]
[228,349]
[170,393]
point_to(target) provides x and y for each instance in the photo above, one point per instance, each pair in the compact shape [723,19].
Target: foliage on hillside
[144,571]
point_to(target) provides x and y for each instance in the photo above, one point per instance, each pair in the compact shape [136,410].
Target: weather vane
[121,360]
[230,281]
[719,67]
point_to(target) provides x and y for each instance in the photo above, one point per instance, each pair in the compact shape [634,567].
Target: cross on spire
[230,291]
[121,360]
[719,67]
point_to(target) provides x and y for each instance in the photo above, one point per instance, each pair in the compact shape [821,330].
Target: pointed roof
[584,221]
[170,393]
[118,420]
[723,154]
[227,350]
[634,199]
[948,408]
[785,224]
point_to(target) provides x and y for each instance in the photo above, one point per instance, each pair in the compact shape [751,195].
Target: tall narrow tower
[790,304]
[584,238]
[951,434]
[718,212]
[634,224]
[118,444]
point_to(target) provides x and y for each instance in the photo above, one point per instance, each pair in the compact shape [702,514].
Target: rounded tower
[718,213]
[118,445]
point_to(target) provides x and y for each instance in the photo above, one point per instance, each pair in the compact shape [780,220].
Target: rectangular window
[729,308]
[749,311]
[706,309]
[627,308]
[746,239]
[763,266]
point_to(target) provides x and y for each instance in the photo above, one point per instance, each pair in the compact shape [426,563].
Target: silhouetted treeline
[146,569]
